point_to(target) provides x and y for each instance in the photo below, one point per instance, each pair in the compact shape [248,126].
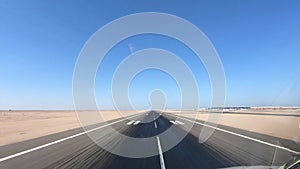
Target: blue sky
[258,43]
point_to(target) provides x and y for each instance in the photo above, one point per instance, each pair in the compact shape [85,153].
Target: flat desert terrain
[283,123]
[16,126]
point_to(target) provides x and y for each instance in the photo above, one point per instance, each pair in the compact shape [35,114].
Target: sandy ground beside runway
[266,121]
[16,126]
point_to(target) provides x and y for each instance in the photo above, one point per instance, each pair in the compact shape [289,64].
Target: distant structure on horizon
[229,108]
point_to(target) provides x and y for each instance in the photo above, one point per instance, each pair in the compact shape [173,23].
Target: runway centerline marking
[155,125]
[241,135]
[129,123]
[161,156]
[173,122]
[61,140]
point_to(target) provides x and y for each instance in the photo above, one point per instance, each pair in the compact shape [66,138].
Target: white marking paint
[241,135]
[155,125]
[60,140]
[179,122]
[137,122]
[161,156]
[129,123]
[173,122]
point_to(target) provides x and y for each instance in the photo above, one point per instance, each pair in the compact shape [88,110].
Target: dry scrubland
[269,121]
[16,126]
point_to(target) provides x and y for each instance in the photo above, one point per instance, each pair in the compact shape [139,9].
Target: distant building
[229,108]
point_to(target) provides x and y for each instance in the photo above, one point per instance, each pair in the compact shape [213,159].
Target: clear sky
[258,42]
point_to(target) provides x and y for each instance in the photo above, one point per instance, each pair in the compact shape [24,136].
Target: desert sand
[267,121]
[16,126]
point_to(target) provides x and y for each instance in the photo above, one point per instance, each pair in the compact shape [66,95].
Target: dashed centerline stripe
[155,125]
[161,156]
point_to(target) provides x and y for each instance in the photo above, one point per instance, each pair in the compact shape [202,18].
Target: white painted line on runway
[173,122]
[161,156]
[137,122]
[241,135]
[179,122]
[155,125]
[129,123]
[60,140]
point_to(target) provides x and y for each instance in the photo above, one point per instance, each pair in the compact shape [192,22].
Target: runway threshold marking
[176,122]
[241,135]
[137,122]
[173,122]
[179,122]
[129,123]
[155,125]
[161,156]
[61,140]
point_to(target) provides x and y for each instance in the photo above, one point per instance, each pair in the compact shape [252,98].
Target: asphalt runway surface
[227,147]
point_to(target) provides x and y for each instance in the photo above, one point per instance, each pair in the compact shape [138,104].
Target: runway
[227,147]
